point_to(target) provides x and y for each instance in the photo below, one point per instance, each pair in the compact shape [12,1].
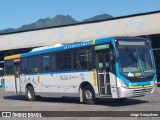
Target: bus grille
[141,92]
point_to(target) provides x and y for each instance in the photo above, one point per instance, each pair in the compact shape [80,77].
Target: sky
[15,13]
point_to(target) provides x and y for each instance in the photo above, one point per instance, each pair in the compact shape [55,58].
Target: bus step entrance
[104,85]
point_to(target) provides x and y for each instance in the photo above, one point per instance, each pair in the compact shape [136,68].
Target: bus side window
[78,63]
[9,67]
[46,62]
[82,58]
[59,60]
[54,66]
[24,65]
[88,58]
[67,60]
[34,64]
[64,60]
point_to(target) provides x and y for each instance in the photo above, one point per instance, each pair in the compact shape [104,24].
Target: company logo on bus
[142,73]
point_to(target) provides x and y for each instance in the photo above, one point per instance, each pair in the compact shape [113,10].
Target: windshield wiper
[144,57]
[133,57]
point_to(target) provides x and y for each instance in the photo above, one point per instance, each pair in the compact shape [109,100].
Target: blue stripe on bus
[64,47]
[60,72]
[69,46]
[104,40]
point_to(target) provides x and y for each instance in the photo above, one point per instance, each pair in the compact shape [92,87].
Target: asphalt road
[11,102]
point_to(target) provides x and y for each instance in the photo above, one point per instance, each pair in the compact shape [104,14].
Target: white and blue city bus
[114,67]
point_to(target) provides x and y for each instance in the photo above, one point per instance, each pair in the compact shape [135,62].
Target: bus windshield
[136,60]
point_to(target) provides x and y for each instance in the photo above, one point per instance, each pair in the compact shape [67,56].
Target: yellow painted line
[12,57]
[147,86]
[95,77]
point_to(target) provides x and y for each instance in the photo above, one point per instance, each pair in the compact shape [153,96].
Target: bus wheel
[30,95]
[88,95]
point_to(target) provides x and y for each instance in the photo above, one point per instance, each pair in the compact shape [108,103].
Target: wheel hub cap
[88,95]
[29,94]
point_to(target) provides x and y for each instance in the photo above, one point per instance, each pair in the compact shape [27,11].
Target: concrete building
[144,25]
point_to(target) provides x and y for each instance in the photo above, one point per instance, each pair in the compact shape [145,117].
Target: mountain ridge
[55,21]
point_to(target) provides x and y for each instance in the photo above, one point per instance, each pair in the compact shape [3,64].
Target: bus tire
[88,94]
[30,94]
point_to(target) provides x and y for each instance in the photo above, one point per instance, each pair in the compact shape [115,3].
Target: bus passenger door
[17,76]
[103,69]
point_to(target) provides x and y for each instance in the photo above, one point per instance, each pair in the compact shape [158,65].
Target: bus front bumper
[125,92]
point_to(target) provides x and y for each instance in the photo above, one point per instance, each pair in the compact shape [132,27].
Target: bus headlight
[156,81]
[123,84]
